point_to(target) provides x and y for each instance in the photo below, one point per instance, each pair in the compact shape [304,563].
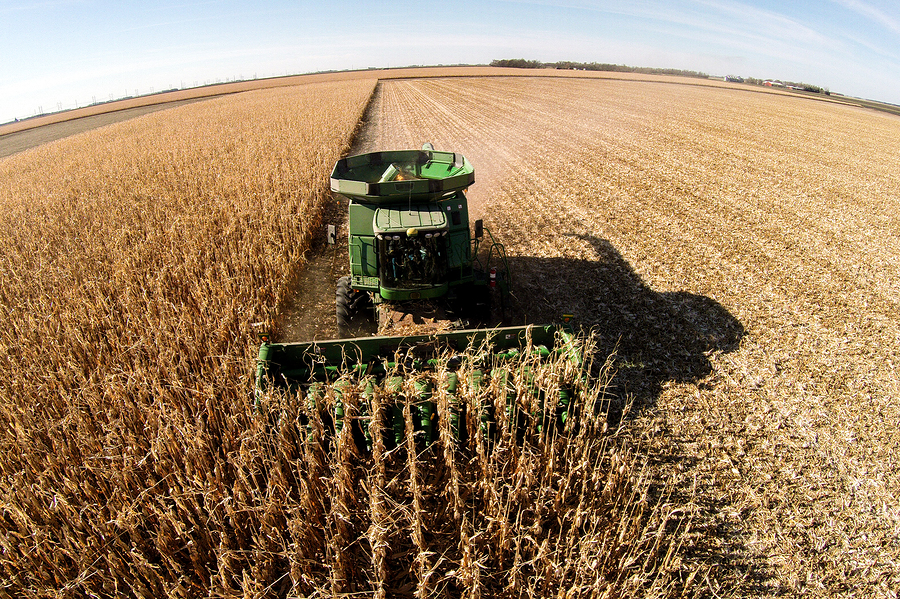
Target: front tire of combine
[353,309]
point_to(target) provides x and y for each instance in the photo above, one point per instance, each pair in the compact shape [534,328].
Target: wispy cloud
[758,19]
[737,18]
[876,49]
[872,13]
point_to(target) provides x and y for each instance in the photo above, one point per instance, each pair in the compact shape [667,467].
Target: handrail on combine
[495,247]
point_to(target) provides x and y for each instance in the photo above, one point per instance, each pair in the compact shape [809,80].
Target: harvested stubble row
[744,252]
[133,260]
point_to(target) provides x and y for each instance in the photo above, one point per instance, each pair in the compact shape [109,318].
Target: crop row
[134,260]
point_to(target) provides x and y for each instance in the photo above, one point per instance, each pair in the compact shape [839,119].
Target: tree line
[521,63]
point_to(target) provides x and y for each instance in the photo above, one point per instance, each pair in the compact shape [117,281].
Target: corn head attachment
[458,383]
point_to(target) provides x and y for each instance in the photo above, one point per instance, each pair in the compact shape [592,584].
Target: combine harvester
[416,269]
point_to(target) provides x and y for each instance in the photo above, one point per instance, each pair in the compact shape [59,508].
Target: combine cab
[412,252]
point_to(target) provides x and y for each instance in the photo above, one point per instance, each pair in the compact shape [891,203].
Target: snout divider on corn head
[516,363]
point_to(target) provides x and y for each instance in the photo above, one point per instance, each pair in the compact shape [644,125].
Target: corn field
[510,500]
[134,260]
[733,253]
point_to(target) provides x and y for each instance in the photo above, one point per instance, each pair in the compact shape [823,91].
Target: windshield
[412,262]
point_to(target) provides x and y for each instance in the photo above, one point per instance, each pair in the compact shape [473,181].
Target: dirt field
[741,251]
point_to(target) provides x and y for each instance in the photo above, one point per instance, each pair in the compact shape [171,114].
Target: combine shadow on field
[657,337]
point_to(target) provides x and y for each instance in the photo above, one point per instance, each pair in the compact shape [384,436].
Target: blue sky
[56,53]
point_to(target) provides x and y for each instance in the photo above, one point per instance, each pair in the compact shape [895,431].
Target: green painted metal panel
[414,294]
[386,177]
[361,217]
[399,219]
[302,363]
[363,259]
[459,250]
[365,283]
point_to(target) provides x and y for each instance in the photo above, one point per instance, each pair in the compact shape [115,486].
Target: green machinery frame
[306,368]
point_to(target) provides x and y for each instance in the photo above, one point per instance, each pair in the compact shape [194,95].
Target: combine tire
[353,309]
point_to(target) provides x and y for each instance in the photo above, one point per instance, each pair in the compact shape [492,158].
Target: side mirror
[479,229]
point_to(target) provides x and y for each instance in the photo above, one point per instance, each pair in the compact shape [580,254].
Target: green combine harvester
[410,240]
[411,248]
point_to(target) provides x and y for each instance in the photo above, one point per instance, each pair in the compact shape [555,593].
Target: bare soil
[308,313]
[739,252]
